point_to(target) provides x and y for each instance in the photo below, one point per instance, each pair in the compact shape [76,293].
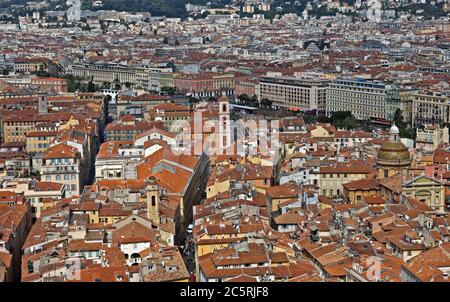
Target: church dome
[393,154]
[394,130]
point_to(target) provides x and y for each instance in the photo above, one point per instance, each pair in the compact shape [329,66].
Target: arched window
[135,256]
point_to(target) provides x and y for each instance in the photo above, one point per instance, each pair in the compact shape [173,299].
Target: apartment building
[174,116]
[222,179]
[113,162]
[160,77]
[15,163]
[62,164]
[30,65]
[205,84]
[14,227]
[50,84]
[128,127]
[300,93]
[406,98]
[249,262]
[430,107]
[39,141]
[109,72]
[333,178]
[364,98]
[138,105]
[17,124]
[11,101]
[39,193]
[249,87]
[431,136]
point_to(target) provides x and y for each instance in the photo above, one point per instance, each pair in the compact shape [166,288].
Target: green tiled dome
[393,152]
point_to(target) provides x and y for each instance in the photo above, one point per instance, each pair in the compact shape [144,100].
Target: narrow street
[188,252]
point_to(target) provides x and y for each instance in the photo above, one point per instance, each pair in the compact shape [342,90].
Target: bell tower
[394,134]
[224,125]
[152,200]
[43,103]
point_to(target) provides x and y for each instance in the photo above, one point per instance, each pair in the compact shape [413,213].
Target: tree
[309,118]
[116,84]
[402,125]
[407,133]
[82,86]
[323,119]
[344,120]
[349,123]
[398,119]
[266,103]
[73,83]
[254,100]
[244,98]
[169,90]
[91,86]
